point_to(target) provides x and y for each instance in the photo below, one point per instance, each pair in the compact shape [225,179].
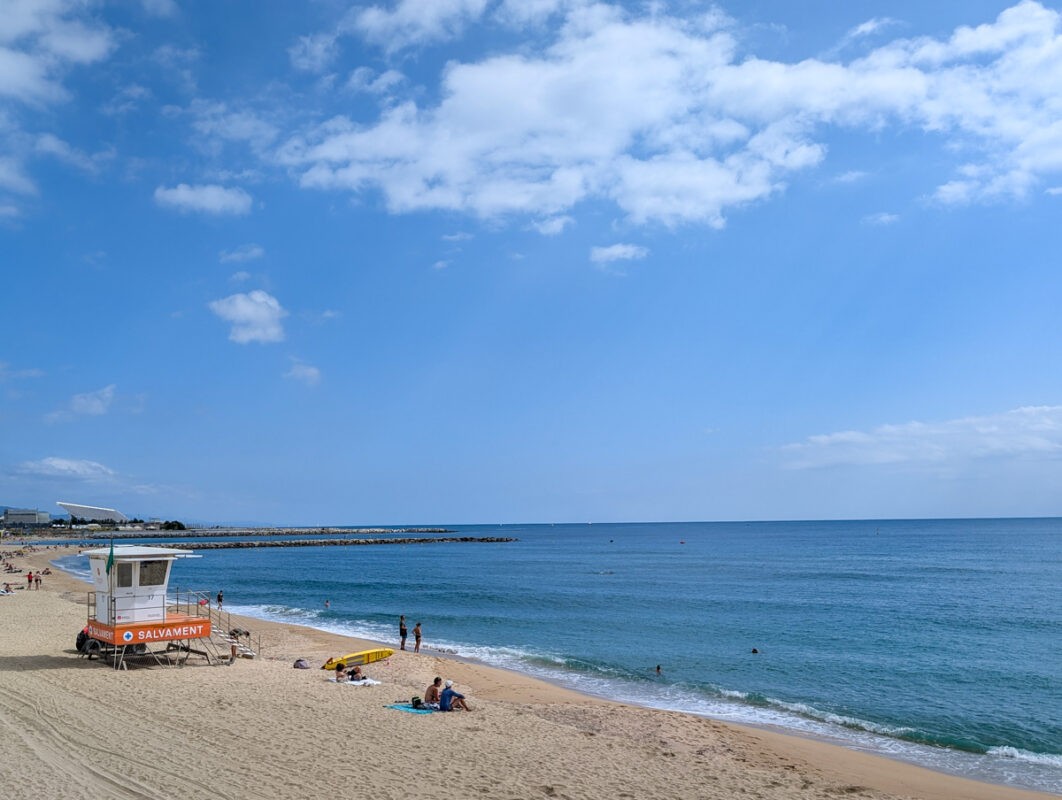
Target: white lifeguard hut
[128,609]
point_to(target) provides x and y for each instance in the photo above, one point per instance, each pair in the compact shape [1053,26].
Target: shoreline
[732,757]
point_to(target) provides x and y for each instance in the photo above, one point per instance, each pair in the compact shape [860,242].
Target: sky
[497,261]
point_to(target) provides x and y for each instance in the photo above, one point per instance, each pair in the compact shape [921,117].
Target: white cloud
[1054,191]
[670,120]
[217,123]
[440,264]
[7,373]
[245,252]
[51,145]
[160,8]
[240,277]
[881,218]
[91,404]
[852,176]
[313,53]
[255,317]
[460,236]
[1028,432]
[553,225]
[617,252]
[40,41]
[304,373]
[210,199]
[127,99]
[14,179]
[417,21]
[365,79]
[78,469]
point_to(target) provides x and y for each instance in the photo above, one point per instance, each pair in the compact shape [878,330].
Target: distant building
[93,513]
[26,517]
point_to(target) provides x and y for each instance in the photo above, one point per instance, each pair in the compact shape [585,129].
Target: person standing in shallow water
[416,638]
[402,632]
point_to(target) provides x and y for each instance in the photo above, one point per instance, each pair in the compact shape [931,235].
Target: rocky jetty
[339,542]
[247,531]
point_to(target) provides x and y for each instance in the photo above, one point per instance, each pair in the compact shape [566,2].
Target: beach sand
[73,728]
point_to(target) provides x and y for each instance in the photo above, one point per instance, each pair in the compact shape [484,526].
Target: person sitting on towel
[341,672]
[355,675]
[450,700]
[431,694]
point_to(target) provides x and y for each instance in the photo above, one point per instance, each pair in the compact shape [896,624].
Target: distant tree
[174,525]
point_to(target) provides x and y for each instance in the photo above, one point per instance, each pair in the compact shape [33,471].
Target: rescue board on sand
[360,658]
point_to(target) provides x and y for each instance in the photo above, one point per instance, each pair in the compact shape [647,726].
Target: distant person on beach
[37,581]
[221,598]
[402,632]
[416,638]
[432,693]
[341,672]
[355,675]
[450,700]
[29,580]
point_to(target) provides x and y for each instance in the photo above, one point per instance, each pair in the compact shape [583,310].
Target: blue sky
[440,261]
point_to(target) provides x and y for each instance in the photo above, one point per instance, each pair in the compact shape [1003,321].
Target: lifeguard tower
[128,611]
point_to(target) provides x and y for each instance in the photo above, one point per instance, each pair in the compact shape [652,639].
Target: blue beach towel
[409,708]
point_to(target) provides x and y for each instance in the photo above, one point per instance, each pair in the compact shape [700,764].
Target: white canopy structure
[93,512]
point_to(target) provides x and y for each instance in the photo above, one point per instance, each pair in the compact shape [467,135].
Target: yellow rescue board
[360,658]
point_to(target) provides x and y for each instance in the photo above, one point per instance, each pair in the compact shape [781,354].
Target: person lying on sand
[450,700]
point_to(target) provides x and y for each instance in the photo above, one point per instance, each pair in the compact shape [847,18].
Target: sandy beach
[74,728]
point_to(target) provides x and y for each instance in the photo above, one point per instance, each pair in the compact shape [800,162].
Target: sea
[936,642]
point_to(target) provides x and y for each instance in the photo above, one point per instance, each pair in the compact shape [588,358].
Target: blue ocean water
[937,642]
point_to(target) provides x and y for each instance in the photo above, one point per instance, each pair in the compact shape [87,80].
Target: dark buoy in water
[754,650]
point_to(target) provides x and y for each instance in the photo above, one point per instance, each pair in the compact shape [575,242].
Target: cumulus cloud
[39,42]
[255,317]
[209,199]
[669,119]
[245,252]
[1028,432]
[78,469]
[303,373]
[617,252]
[416,21]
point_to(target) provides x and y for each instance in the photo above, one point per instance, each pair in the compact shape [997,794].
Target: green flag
[110,558]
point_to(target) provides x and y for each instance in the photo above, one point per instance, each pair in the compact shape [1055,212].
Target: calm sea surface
[937,642]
